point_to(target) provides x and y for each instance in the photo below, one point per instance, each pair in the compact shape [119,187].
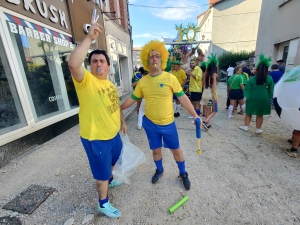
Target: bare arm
[242,86]
[185,101]
[134,84]
[79,53]
[214,87]
[184,82]
[129,102]
[191,74]
[124,128]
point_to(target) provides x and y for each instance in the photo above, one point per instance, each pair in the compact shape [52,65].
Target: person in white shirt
[229,71]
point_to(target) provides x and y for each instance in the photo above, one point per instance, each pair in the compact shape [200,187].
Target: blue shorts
[236,94]
[175,98]
[157,134]
[102,155]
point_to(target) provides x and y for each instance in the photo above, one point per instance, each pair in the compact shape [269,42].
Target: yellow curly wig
[154,45]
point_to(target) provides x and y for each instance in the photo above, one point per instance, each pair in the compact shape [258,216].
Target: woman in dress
[258,92]
[209,96]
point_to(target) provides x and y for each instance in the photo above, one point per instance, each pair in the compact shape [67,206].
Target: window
[112,44]
[115,62]
[124,50]
[119,47]
[43,58]
[11,112]
[285,53]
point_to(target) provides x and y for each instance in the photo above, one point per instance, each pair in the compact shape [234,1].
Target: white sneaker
[190,117]
[139,127]
[258,131]
[244,128]
[192,121]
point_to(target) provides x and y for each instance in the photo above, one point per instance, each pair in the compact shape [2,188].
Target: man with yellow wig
[157,89]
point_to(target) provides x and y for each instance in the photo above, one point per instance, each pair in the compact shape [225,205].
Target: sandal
[241,113]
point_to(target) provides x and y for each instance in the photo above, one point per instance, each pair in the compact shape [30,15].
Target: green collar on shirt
[155,75]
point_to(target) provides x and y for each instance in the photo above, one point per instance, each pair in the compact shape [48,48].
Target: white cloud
[141,39]
[153,35]
[177,13]
[145,35]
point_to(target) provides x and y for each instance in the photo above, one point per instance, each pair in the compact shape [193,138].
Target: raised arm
[79,53]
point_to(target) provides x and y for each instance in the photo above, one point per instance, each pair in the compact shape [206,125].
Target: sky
[154,23]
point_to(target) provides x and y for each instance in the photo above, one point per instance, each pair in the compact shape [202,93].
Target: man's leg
[100,165]
[102,189]
[171,141]
[178,156]
[155,142]
[157,157]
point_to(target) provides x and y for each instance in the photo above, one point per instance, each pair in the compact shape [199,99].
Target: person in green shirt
[235,89]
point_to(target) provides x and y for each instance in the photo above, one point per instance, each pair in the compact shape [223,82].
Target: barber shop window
[43,57]
[11,112]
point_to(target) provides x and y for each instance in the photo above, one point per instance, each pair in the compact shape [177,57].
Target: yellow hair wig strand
[154,45]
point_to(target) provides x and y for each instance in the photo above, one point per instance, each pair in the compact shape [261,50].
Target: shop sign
[26,31]
[53,13]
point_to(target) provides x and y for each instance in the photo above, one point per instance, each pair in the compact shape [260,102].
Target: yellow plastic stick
[199,151]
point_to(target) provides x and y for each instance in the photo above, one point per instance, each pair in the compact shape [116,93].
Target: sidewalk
[240,178]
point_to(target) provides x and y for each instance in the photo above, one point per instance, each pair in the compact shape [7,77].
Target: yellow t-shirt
[99,112]
[158,94]
[196,84]
[180,75]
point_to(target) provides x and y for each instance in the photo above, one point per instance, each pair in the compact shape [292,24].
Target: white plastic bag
[131,157]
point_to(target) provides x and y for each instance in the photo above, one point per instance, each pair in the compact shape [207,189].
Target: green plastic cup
[178,204]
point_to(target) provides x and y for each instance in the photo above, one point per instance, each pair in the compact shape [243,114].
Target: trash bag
[131,157]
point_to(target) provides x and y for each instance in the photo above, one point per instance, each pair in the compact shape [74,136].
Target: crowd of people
[101,117]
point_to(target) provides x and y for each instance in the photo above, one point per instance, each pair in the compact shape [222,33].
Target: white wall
[233,25]
[119,33]
[279,26]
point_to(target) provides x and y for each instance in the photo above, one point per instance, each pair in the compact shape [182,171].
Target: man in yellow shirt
[158,88]
[181,77]
[99,116]
[195,86]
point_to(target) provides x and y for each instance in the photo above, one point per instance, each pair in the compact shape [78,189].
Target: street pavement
[240,178]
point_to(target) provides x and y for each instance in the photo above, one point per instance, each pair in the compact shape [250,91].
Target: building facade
[231,25]
[137,63]
[279,31]
[38,97]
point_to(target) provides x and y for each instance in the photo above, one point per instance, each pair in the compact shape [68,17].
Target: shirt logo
[161,85]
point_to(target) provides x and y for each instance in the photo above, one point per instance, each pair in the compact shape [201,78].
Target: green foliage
[227,58]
